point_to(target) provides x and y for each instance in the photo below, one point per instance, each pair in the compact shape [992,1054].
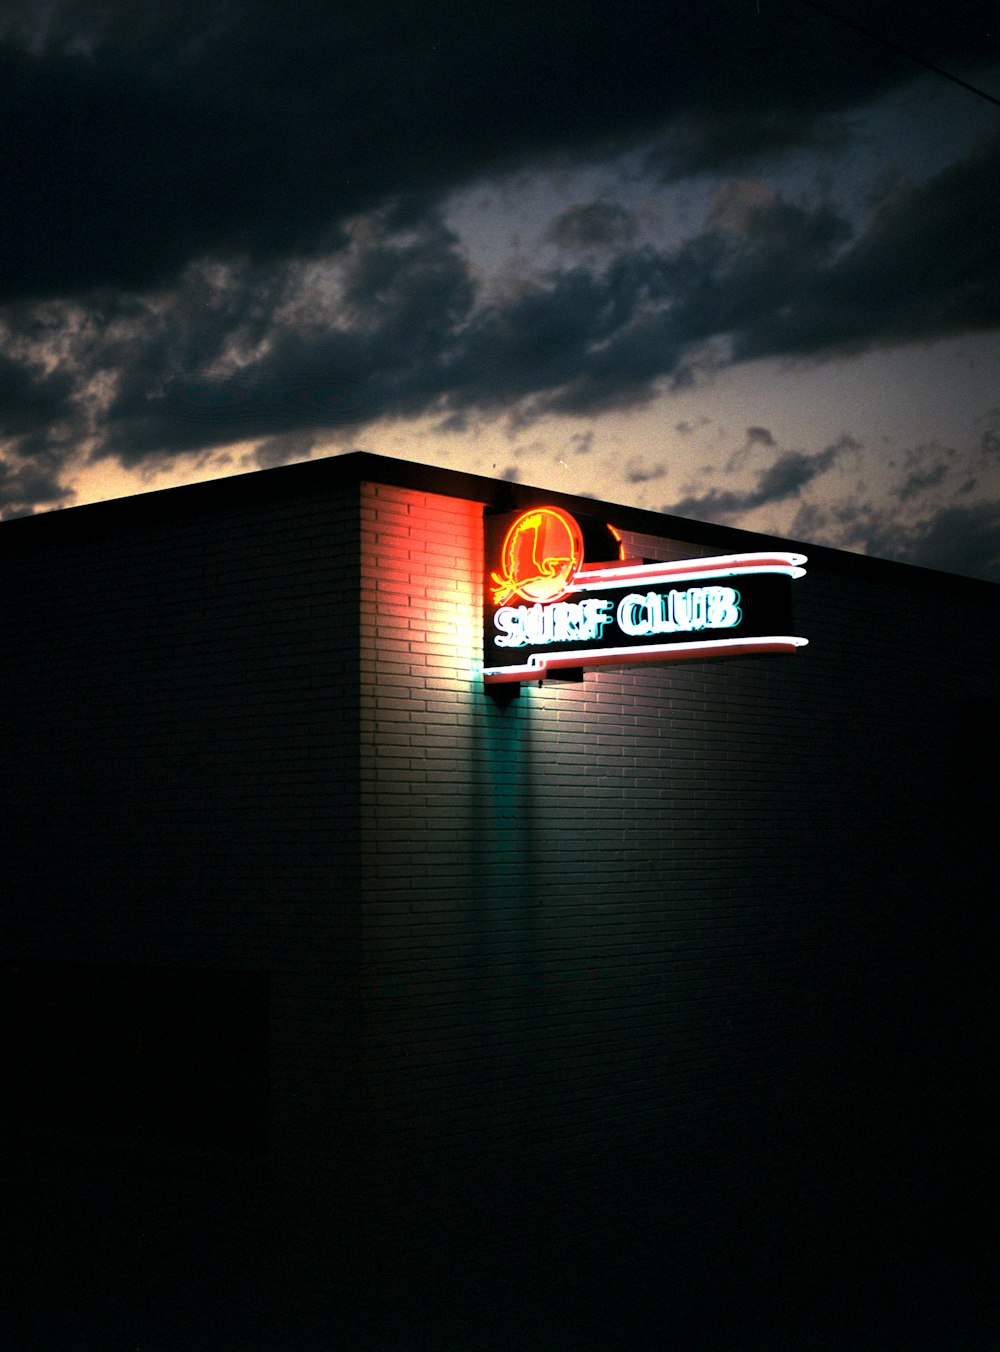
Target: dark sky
[735,260]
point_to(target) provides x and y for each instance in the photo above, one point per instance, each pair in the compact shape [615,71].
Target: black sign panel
[547,608]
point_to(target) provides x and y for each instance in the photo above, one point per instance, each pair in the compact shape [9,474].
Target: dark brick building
[347,1000]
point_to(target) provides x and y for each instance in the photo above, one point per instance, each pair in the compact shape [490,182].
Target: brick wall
[179,687]
[619,1003]
[653,971]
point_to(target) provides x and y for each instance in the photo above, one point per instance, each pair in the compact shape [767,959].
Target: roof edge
[356,467]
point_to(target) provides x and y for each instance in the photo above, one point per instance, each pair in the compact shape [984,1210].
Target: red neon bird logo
[540,555]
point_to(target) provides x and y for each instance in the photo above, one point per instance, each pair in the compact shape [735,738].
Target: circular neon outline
[515,586]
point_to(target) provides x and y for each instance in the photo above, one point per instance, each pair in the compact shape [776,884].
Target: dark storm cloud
[402,336]
[793,470]
[283,450]
[958,539]
[329,381]
[29,397]
[990,438]
[782,480]
[954,537]
[770,277]
[31,481]
[593,225]
[926,265]
[732,279]
[920,481]
[929,518]
[139,138]
[577,341]
[37,414]
[25,486]
[228,225]
[377,347]
[585,341]
[402,329]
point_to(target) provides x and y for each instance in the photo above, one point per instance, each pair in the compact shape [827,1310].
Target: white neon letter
[534,624]
[723,608]
[510,622]
[629,608]
[680,611]
[659,622]
[564,621]
[593,617]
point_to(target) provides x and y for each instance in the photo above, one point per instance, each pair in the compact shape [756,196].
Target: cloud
[990,437]
[283,450]
[595,225]
[779,482]
[760,436]
[23,487]
[29,396]
[921,520]
[755,437]
[223,227]
[793,470]
[686,427]
[920,481]
[149,137]
[726,281]
[957,539]
[394,323]
[928,518]
[276,356]
[37,411]
[925,266]
[952,537]
[637,473]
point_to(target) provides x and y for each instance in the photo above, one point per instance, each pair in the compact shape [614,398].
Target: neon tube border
[539,663]
[680,570]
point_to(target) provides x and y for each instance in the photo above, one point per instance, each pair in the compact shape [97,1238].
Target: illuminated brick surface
[651,955]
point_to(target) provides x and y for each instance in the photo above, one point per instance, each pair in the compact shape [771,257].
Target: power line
[901,51]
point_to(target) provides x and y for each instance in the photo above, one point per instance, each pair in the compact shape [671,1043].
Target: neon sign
[575,613]
[540,554]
